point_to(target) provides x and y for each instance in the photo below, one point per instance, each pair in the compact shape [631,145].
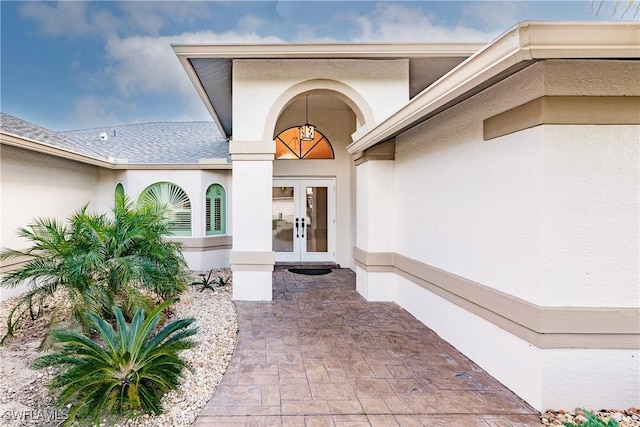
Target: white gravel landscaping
[25,400]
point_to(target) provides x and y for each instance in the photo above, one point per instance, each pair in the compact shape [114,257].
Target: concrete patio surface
[321,355]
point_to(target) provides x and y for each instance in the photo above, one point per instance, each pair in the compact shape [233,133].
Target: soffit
[210,66]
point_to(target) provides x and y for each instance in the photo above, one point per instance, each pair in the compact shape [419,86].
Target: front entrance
[303,219]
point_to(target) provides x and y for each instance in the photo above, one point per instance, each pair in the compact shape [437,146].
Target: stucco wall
[548,215]
[36,185]
[258,84]
[473,207]
[195,183]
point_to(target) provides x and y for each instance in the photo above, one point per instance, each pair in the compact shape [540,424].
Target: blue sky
[74,65]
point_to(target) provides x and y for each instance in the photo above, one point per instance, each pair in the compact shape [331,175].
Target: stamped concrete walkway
[320,355]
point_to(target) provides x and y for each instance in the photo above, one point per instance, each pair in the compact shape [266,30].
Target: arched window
[119,193]
[169,194]
[215,215]
[289,146]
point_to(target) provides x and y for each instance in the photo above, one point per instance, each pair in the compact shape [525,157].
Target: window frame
[209,215]
[181,217]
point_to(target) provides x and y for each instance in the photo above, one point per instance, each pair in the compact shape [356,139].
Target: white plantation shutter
[169,194]
[215,210]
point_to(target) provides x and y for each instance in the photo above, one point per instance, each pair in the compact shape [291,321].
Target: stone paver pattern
[319,354]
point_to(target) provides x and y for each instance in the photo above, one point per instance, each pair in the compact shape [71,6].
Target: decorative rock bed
[626,418]
[25,400]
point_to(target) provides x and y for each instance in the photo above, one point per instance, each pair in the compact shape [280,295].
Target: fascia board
[172,166]
[326,50]
[526,41]
[594,40]
[41,147]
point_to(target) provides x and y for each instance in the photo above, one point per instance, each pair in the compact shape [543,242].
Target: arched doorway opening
[312,206]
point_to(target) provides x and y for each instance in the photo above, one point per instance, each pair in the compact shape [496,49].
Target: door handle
[303,229]
[297,225]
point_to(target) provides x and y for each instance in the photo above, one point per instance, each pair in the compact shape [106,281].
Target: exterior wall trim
[7,265]
[199,244]
[383,151]
[542,326]
[367,157]
[252,150]
[564,110]
[252,261]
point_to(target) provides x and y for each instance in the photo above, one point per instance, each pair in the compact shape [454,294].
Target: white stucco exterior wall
[34,185]
[473,207]
[591,204]
[548,215]
[383,84]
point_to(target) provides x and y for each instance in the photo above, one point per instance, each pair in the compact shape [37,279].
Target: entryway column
[375,229]
[252,258]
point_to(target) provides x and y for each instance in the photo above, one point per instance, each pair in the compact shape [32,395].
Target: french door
[303,219]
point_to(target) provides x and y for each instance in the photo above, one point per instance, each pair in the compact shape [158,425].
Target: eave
[114,164]
[41,147]
[515,49]
[221,58]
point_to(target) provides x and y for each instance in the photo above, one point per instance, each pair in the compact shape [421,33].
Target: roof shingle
[157,142]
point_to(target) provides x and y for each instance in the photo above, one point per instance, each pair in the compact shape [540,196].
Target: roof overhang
[29,144]
[514,50]
[52,150]
[209,66]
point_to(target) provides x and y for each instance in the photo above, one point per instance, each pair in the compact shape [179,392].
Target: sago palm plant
[99,260]
[130,372]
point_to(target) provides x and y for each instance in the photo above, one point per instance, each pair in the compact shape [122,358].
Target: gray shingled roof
[159,142]
[22,128]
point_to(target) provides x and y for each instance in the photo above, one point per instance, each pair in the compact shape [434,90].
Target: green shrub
[208,283]
[593,421]
[99,261]
[130,372]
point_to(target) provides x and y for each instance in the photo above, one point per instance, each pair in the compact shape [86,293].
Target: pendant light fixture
[307,131]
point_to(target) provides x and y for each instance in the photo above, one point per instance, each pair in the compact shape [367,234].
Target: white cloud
[144,64]
[76,18]
[394,22]
[61,18]
[252,23]
[496,14]
[150,17]
[94,111]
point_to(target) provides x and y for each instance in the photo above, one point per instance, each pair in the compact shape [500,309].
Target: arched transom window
[289,146]
[169,194]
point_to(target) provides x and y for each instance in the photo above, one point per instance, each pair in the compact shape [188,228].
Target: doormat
[311,271]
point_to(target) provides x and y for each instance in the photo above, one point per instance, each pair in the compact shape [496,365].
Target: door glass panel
[282,219]
[316,221]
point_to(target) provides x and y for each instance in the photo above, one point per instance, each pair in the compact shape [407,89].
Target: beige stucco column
[251,257]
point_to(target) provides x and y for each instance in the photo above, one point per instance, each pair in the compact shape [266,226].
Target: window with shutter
[215,215]
[176,199]
[119,191]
